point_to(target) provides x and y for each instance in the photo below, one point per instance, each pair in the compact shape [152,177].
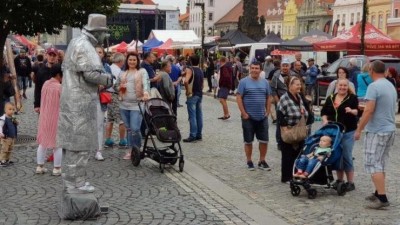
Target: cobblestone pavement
[221,154]
[139,195]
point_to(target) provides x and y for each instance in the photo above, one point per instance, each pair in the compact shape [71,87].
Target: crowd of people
[282,89]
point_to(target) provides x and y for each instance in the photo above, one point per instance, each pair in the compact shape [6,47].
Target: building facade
[378,13]
[315,14]
[346,13]
[274,16]
[393,23]
[214,11]
[289,24]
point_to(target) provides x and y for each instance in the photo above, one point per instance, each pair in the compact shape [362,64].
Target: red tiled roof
[184,17]
[233,15]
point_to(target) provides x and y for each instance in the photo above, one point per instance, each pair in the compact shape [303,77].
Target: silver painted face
[101,36]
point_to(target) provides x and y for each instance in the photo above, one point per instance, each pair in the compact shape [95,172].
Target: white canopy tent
[177,36]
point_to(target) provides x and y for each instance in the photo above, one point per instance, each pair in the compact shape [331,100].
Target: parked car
[329,75]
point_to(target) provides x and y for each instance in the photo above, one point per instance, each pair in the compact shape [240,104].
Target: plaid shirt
[291,110]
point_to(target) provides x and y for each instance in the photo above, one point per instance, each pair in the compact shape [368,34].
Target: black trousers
[209,76]
[289,155]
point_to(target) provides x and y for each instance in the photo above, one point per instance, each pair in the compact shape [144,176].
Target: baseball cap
[52,50]
[22,51]
[285,61]
[310,59]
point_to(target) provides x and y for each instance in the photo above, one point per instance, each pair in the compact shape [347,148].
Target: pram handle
[341,126]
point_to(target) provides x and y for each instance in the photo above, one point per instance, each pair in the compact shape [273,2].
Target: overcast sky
[178,3]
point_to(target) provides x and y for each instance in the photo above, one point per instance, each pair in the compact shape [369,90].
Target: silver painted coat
[83,72]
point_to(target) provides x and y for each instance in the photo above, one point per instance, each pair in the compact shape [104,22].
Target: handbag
[295,134]
[105,97]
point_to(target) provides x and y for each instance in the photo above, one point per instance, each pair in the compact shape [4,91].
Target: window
[380,21]
[373,20]
[396,13]
[358,17]
[352,18]
[210,16]
[211,3]
[344,19]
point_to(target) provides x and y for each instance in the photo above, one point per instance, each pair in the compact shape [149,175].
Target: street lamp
[203,32]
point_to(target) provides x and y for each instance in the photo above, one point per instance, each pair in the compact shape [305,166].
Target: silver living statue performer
[77,126]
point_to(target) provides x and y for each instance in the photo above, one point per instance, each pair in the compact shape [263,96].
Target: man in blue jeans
[194,93]
[254,101]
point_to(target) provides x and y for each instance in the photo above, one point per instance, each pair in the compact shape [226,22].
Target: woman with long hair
[341,73]
[133,86]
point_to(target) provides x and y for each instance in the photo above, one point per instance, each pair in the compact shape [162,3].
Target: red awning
[23,40]
[375,42]
[282,52]
[122,47]
[166,47]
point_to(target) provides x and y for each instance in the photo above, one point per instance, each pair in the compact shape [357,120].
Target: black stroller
[322,172]
[161,122]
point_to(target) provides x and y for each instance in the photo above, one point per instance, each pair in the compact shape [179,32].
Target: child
[214,81]
[306,163]
[8,134]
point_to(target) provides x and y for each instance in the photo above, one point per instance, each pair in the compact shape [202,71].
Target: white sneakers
[99,156]
[56,172]
[40,170]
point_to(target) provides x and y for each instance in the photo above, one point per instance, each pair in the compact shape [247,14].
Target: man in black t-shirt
[23,67]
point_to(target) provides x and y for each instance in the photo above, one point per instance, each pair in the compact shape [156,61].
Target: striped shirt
[255,94]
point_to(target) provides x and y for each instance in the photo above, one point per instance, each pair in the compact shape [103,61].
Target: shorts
[113,112]
[376,151]
[223,93]
[259,128]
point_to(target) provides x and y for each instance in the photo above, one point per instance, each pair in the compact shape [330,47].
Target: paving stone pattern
[139,195]
[221,154]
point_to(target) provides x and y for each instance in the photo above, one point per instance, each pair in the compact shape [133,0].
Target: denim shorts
[259,128]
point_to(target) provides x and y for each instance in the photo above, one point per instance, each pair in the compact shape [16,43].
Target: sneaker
[350,187]
[334,185]
[123,143]
[127,156]
[99,156]
[3,164]
[109,142]
[56,172]
[190,139]
[250,166]
[24,95]
[40,170]
[199,138]
[9,162]
[263,166]
[377,205]
[371,197]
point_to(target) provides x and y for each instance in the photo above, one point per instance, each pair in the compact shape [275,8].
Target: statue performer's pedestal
[79,206]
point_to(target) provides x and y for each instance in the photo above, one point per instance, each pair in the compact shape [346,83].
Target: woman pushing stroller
[342,107]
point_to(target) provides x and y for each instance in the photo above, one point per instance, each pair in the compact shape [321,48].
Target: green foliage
[29,17]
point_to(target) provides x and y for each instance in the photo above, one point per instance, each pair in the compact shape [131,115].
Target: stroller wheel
[312,193]
[295,190]
[135,156]
[181,165]
[341,188]
[162,167]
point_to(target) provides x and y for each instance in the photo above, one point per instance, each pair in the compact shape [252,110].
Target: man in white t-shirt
[113,114]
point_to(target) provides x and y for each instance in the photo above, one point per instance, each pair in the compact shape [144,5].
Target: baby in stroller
[306,163]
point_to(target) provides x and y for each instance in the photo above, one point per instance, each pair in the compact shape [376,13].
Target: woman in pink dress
[48,121]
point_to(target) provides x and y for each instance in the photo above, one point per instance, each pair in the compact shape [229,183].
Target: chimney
[188,7]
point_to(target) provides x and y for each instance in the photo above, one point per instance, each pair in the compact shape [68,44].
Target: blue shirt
[175,73]
[385,96]
[311,75]
[150,72]
[255,94]
[363,80]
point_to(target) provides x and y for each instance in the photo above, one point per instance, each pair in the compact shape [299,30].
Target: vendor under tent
[150,44]
[271,38]
[376,43]
[234,37]
[305,41]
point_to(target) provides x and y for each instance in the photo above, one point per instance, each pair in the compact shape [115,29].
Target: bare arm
[268,105]
[187,77]
[367,114]
[239,100]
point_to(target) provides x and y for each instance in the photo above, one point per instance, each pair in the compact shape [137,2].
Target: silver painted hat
[96,22]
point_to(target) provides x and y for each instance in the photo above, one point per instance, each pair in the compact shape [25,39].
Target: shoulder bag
[295,134]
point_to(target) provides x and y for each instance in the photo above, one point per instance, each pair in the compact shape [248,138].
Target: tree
[363,23]
[30,17]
